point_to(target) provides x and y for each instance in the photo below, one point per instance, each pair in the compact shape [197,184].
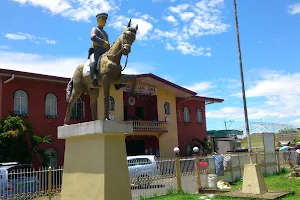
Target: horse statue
[109,71]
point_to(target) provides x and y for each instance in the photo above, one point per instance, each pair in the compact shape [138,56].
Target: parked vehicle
[17,179]
[142,169]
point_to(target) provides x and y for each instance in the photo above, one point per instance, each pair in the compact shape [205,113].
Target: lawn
[273,182]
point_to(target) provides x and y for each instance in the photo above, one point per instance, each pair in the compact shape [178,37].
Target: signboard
[141,89]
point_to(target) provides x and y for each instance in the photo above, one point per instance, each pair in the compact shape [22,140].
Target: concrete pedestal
[95,164]
[253,180]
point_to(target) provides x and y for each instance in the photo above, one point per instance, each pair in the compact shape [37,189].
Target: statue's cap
[103,15]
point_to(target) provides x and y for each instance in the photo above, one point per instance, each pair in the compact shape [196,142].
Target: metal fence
[150,179]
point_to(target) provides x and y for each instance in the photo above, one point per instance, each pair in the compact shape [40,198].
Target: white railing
[150,126]
[23,182]
[147,178]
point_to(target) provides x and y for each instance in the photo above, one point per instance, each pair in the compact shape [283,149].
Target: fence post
[197,155]
[49,182]
[278,161]
[256,157]
[178,169]
[240,168]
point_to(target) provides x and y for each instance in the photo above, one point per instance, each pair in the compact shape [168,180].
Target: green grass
[255,141]
[273,182]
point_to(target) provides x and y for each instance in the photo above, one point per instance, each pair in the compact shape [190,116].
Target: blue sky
[191,43]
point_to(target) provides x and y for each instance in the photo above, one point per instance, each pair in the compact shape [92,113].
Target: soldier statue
[100,44]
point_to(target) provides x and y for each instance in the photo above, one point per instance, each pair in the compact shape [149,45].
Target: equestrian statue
[104,68]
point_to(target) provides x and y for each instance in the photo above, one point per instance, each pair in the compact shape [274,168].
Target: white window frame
[167,108]
[21,97]
[112,103]
[75,106]
[51,105]
[199,115]
[186,114]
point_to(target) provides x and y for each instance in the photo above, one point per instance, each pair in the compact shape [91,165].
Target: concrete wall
[169,140]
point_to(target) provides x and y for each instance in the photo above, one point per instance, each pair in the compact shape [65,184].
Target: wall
[188,131]
[121,99]
[148,102]
[169,140]
[37,90]
[1,96]
[118,97]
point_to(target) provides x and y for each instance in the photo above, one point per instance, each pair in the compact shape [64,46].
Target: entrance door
[135,147]
[139,112]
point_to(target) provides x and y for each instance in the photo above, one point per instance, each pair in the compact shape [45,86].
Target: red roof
[147,78]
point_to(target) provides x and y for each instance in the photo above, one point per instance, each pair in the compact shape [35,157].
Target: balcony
[149,126]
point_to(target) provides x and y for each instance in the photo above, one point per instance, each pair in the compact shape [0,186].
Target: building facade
[164,115]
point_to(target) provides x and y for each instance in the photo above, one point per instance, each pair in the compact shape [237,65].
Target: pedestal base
[253,180]
[95,164]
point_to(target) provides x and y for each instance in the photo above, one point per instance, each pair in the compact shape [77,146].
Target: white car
[142,169]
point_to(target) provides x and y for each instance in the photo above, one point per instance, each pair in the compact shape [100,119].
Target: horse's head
[128,37]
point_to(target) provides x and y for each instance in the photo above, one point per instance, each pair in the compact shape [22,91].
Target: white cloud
[179,8]
[296,123]
[275,95]
[155,1]
[200,19]
[56,66]
[188,48]
[294,9]
[185,16]
[169,47]
[170,18]
[26,36]
[78,10]
[274,83]
[144,26]
[12,36]
[200,87]
[3,47]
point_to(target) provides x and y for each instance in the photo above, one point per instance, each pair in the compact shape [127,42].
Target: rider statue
[100,44]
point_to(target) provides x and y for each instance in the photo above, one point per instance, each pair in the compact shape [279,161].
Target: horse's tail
[69,90]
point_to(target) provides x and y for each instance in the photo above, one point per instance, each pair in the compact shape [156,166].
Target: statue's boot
[119,86]
[93,72]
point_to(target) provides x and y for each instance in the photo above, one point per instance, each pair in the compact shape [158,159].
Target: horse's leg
[75,95]
[106,86]
[93,103]
[131,78]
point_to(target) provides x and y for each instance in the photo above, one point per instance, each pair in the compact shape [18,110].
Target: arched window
[20,102]
[167,108]
[199,116]
[53,157]
[186,113]
[111,105]
[78,109]
[51,105]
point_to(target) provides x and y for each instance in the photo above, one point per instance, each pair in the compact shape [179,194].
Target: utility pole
[242,79]
[225,122]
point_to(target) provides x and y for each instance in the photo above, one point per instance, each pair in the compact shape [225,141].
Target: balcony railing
[151,126]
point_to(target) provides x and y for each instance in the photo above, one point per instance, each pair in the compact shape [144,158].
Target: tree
[19,144]
[203,144]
